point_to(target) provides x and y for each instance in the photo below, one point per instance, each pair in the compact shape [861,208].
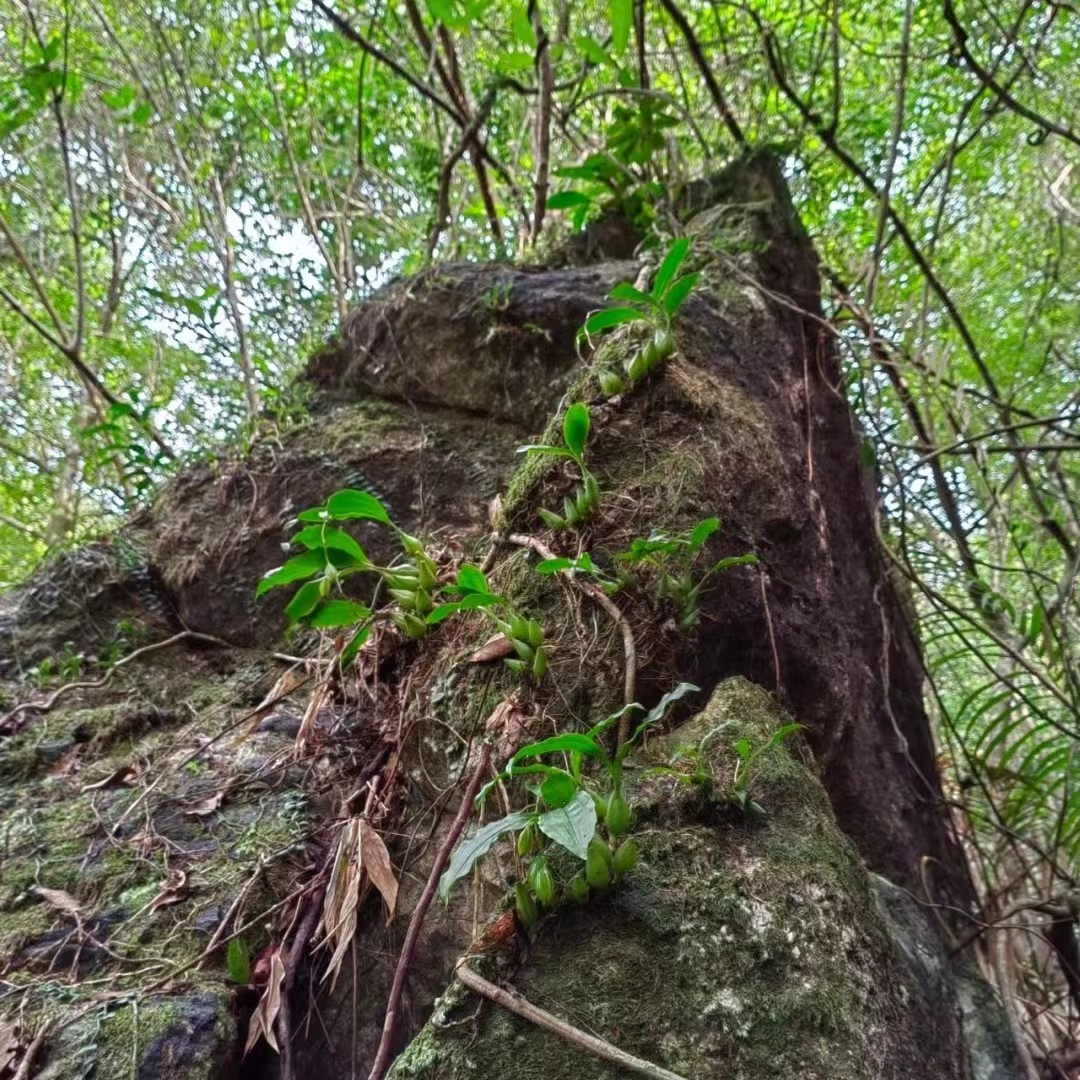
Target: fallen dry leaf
[208,805]
[343,896]
[114,779]
[509,725]
[286,683]
[375,859]
[59,899]
[265,1016]
[172,892]
[493,649]
[260,973]
[308,721]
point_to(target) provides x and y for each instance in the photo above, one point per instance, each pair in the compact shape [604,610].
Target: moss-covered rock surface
[737,948]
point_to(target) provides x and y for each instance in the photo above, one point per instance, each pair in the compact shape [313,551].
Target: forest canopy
[192,195]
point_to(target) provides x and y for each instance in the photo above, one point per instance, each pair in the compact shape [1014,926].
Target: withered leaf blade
[204,807]
[114,779]
[265,1016]
[343,897]
[172,892]
[59,899]
[319,696]
[286,683]
[375,859]
[495,648]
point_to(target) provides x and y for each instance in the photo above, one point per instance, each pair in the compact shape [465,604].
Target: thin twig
[416,922]
[468,138]
[50,702]
[960,36]
[772,634]
[516,1004]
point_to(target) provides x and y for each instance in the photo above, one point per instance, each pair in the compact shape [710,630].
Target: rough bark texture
[735,949]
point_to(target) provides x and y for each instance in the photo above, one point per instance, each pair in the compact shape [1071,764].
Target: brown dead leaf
[114,779]
[172,892]
[59,899]
[375,859]
[493,649]
[311,714]
[207,806]
[260,972]
[67,765]
[282,688]
[266,1014]
[343,896]
[510,726]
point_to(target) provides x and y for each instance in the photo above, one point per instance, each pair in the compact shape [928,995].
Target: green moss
[20,924]
[350,428]
[186,1036]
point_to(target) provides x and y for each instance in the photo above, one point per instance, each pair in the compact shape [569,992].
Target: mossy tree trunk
[738,947]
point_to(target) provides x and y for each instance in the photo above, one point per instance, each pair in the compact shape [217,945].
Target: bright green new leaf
[348,654]
[677,293]
[669,267]
[521,26]
[702,531]
[567,200]
[569,741]
[558,789]
[349,503]
[471,579]
[593,51]
[622,13]
[553,566]
[331,614]
[625,291]
[316,536]
[469,603]
[573,825]
[119,99]
[576,428]
[304,600]
[656,714]
[300,566]
[609,317]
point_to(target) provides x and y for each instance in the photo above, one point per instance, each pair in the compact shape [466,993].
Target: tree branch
[516,1004]
[698,54]
[960,36]
[545,75]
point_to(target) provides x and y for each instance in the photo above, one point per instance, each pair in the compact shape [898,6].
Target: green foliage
[655,309]
[666,557]
[238,962]
[419,599]
[576,507]
[576,804]
[189,204]
[691,766]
